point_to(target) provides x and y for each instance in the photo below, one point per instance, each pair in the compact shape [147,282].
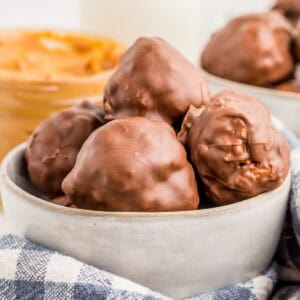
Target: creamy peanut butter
[45,55]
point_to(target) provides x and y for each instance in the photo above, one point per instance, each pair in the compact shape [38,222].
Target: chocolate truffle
[236,149]
[253,49]
[53,146]
[132,164]
[155,81]
[289,8]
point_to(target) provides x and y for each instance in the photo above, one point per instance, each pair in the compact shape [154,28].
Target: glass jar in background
[41,82]
[25,104]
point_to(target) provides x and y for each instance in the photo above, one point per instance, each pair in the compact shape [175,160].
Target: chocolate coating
[253,49]
[296,48]
[155,81]
[132,164]
[236,149]
[293,84]
[53,146]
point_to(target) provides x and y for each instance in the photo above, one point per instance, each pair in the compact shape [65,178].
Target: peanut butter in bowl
[55,56]
[44,71]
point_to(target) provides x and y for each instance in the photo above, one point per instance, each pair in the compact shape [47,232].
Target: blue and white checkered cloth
[30,271]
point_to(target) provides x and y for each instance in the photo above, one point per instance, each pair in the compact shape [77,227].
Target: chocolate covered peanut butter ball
[253,49]
[53,146]
[155,81]
[132,164]
[236,149]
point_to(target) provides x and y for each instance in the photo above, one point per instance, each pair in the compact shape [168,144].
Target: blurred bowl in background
[284,105]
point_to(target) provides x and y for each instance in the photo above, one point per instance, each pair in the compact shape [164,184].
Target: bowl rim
[34,200]
[227,83]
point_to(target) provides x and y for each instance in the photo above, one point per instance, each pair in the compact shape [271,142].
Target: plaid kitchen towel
[29,271]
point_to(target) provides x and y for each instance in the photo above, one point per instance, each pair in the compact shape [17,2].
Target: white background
[66,13]
[187,24]
[184,23]
[40,13]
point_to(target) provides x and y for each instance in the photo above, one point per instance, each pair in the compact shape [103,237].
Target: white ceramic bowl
[284,105]
[179,254]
